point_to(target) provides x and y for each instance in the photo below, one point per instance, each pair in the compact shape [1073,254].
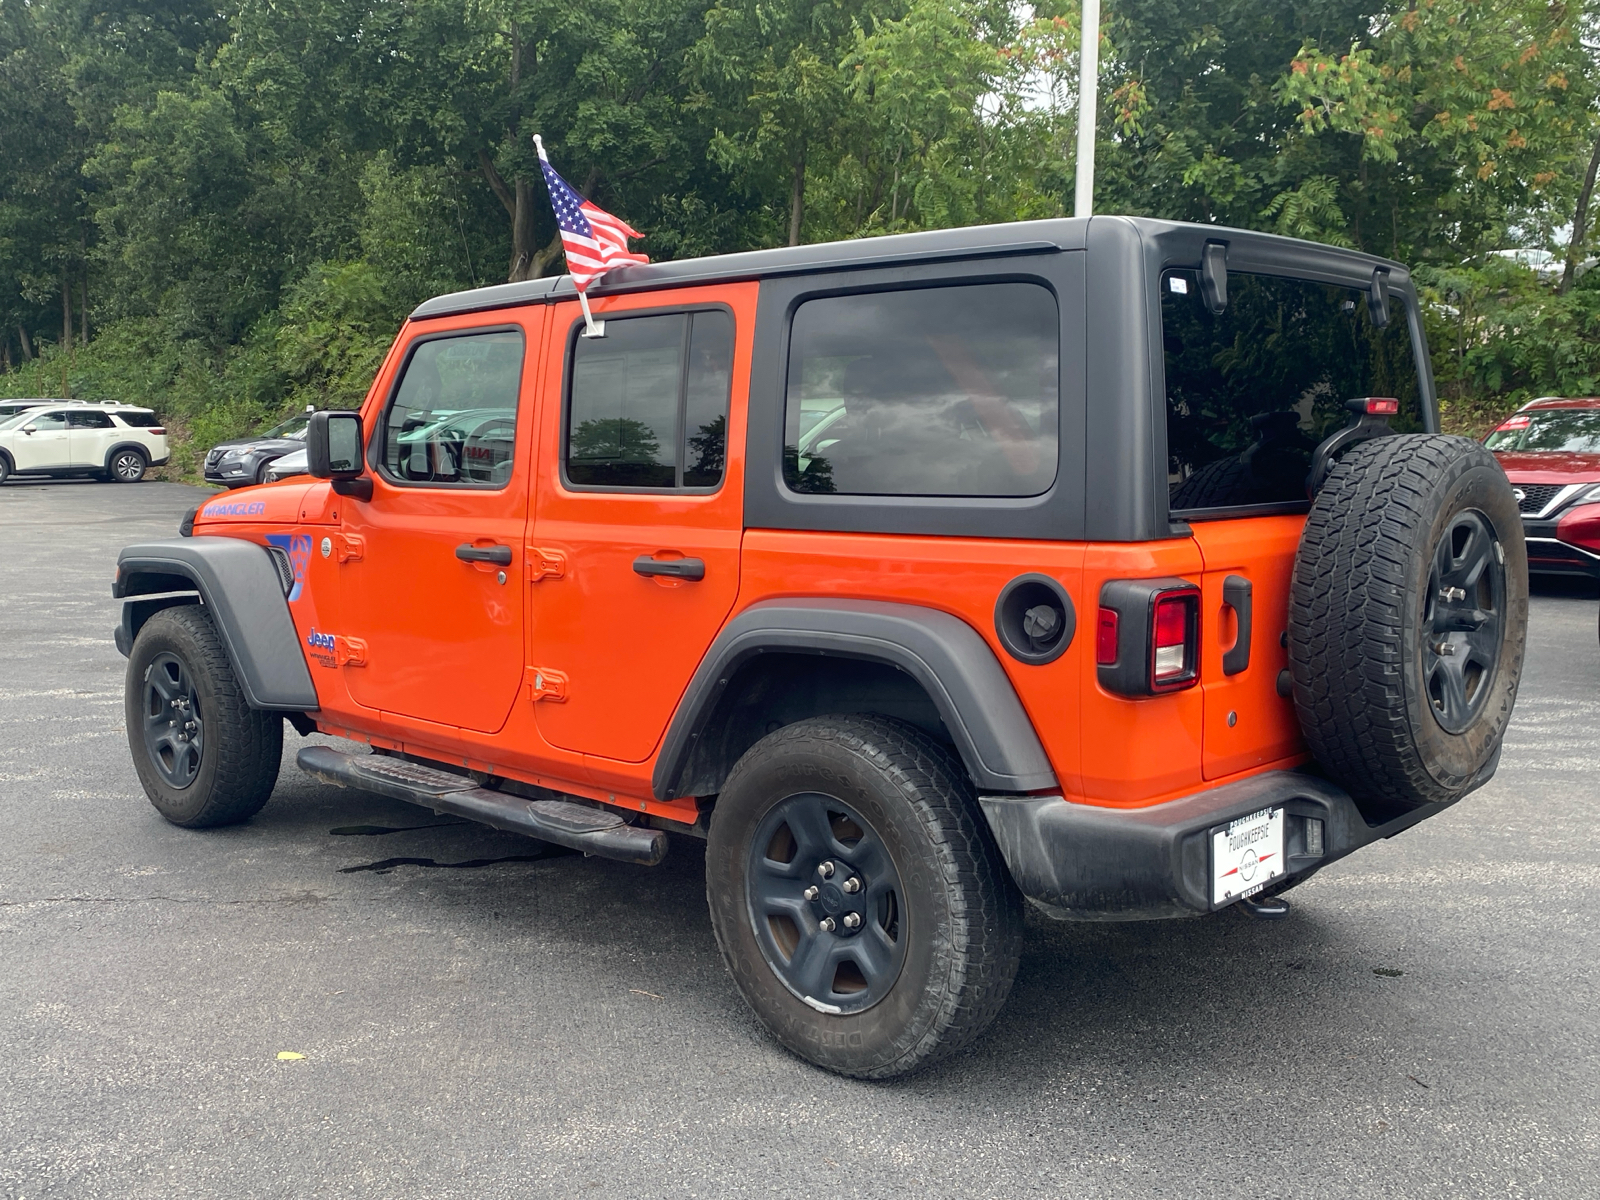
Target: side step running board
[577,826]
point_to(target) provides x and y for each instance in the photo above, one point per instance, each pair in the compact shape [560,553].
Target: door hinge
[349,651]
[545,684]
[545,564]
[351,547]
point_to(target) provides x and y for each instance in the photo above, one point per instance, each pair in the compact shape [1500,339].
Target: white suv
[109,441]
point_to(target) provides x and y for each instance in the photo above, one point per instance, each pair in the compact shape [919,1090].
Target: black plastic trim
[1010,613]
[1237,594]
[1134,602]
[944,654]
[1087,863]
[238,584]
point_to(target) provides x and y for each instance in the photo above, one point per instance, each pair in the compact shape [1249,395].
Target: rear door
[634,546]
[90,434]
[431,581]
[1251,391]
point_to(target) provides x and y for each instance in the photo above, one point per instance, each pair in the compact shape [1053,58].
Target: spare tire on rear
[1407,620]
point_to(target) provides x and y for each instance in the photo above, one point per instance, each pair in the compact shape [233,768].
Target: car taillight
[1147,637]
[1105,637]
[158,431]
[1175,639]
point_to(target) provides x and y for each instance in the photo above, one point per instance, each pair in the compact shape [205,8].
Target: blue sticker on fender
[298,547]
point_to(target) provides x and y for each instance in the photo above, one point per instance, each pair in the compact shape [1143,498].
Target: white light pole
[1088,87]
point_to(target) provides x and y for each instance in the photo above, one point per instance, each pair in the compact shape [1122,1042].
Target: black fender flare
[238,584]
[942,653]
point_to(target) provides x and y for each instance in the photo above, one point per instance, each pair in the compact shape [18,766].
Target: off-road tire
[963,913]
[121,468]
[1358,606]
[242,746]
[1219,484]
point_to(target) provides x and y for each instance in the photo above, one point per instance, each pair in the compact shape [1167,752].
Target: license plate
[1246,855]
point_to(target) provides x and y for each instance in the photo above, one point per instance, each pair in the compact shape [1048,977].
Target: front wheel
[204,756]
[128,466]
[858,898]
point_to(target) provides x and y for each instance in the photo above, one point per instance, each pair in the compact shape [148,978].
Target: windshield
[294,428]
[1574,430]
[1252,390]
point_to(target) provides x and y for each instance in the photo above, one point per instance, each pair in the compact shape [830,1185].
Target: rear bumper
[1087,863]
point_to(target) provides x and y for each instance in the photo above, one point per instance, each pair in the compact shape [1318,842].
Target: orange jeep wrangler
[1113,564]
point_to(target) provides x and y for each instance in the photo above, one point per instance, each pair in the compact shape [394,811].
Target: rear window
[1574,430]
[139,420]
[1253,389]
[946,391]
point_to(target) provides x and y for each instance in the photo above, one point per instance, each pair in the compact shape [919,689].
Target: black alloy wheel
[174,729]
[1461,624]
[826,903]
[127,466]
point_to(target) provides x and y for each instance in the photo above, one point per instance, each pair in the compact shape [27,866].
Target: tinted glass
[88,420]
[947,391]
[294,427]
[1575,430]
[453,419]
[1252,390]
[648,406]
[705,409]
[139,420]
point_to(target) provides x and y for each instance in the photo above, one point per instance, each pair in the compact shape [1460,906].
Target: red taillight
[1382,406]
[1175,639]
[1105,638]
[158,431]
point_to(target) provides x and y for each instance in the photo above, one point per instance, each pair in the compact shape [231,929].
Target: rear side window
[648,402]
[1253,389]
[453,419]
[88,420]
[945,391]
[139,420]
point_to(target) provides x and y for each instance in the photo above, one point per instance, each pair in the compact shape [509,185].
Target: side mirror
[30,429]
[1214,276]
[1378,298]
[333,451]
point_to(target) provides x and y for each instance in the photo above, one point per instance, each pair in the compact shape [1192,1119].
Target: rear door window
[943,391]
[1253,389]
[648,402]
[88,420]
[453,418]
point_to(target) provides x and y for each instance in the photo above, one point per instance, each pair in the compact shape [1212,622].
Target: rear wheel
[1408,619]
[858,898]
[5,468]
[204,756]
[128,466]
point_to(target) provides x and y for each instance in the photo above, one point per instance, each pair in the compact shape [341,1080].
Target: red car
[1550,449]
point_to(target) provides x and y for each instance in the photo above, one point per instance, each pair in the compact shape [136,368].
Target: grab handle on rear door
[673,568]
[499,555]
[1236,591]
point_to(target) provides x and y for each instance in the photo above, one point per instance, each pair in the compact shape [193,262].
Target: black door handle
[500,556]
[673,568]
[1236,592]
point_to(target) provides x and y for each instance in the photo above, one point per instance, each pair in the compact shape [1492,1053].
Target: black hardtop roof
[976,241]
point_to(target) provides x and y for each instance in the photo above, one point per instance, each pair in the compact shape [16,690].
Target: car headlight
[1590,496]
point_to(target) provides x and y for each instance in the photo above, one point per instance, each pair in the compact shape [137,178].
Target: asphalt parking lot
[479,1019]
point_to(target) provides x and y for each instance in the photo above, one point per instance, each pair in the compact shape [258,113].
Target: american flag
[594,240]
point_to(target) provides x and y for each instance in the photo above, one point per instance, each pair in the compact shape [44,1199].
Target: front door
[634,549]
[41,444]
[432,582]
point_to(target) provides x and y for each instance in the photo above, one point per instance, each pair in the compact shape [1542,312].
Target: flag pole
[1088,87]
[592,328]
